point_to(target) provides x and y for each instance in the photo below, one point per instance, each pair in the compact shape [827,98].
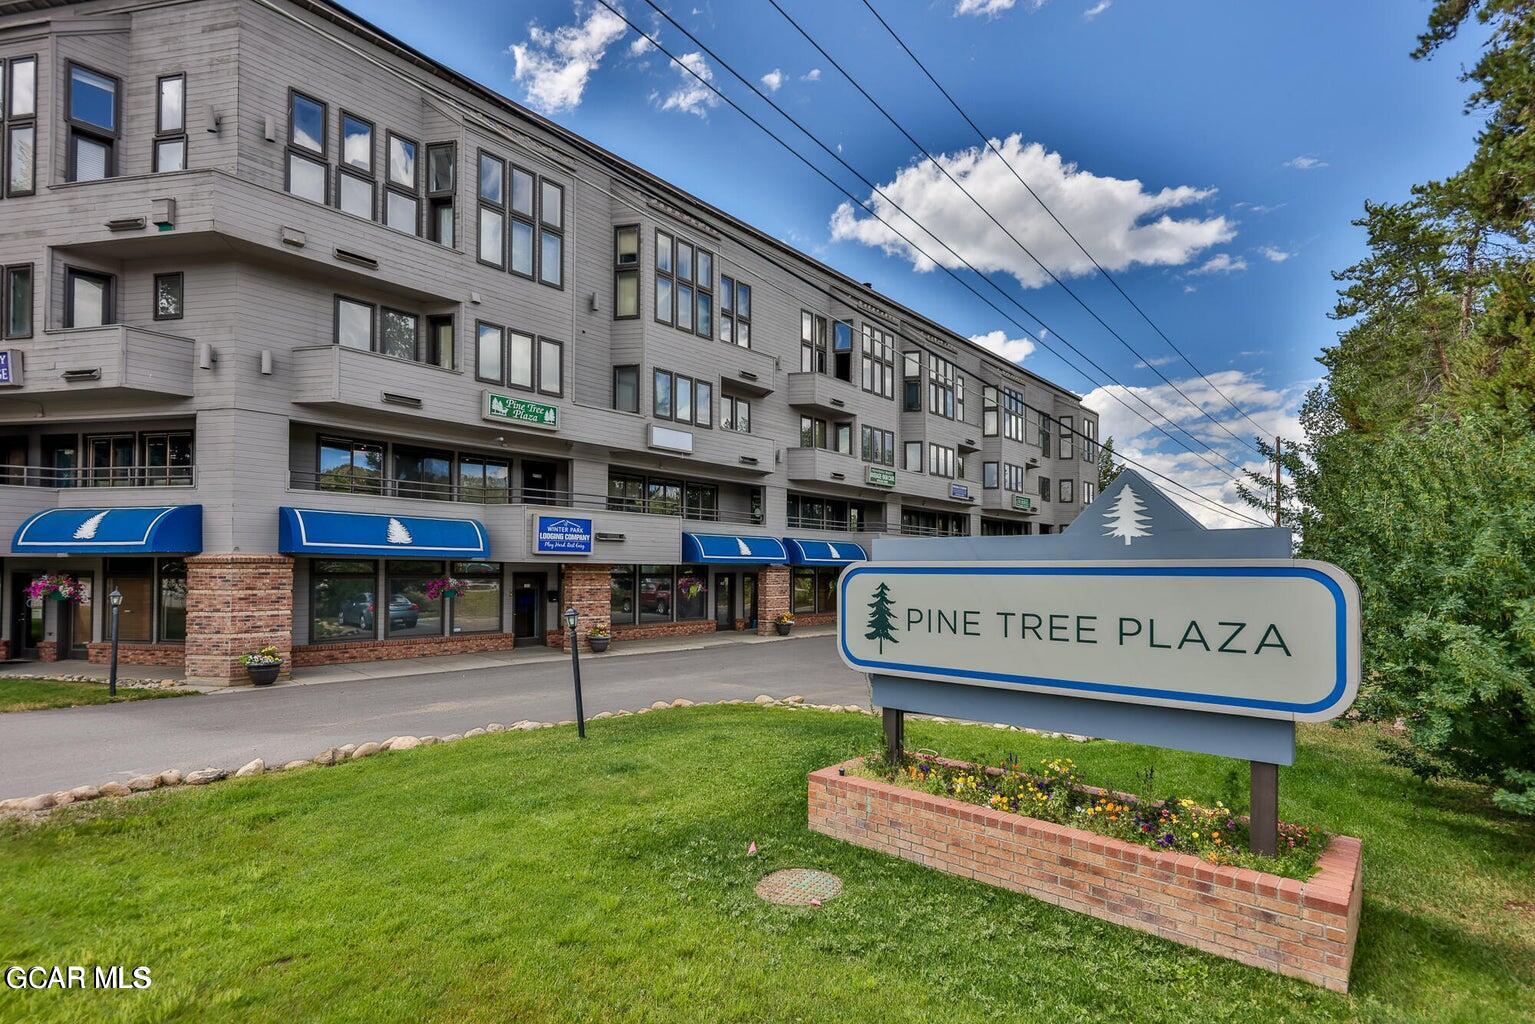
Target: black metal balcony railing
[117,476]
[481,494]
[803,522]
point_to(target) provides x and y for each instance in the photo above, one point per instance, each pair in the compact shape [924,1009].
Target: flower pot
[56,596]
[450,593]
[599,643]
[784,627]
[263,675]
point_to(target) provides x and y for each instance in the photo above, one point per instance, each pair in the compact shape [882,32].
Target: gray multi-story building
[300,327]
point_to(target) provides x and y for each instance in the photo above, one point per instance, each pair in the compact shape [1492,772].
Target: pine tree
[1108,469]
[880,623]
[1125,517]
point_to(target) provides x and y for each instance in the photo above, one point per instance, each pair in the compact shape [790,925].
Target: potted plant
[55,587]
[443,586]
[599,637]
[263,665]
[784,623]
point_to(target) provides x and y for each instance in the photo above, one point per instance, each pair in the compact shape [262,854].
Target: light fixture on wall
[206,356]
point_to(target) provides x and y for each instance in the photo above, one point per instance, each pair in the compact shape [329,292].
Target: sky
[1209,154]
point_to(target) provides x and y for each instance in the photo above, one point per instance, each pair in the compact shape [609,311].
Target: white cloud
[1189,288]
[1273,255]
[1305,163]
[773,80]
[1014,350]
[1116,219]
[553,66]
[1221,263]
[991,8]
[641,45]
[1097,9]
[692,96]
[1258,207]
[813,75]
[1158,361]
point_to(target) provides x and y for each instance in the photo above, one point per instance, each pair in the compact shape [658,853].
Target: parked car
[360,612]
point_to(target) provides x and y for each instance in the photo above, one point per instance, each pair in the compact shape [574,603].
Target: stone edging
[123,683]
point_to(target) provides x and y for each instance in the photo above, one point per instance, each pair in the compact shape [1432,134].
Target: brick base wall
[772,596]
[167,655]
[1302,929]
[815,619]
[589,589]
[311,655]
[654,630]
[5,650]
[235,604]
[48,650]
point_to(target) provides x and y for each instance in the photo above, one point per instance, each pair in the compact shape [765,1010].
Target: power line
[987,141]
[873,213]
[1004,229]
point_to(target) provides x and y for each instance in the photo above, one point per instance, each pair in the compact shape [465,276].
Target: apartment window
[990,475]
[170,152]
[402,203]
[666,280]
[1067,449]
[1044,488]
[812,432]
[911,381]
[355,194]
[813,512]
[735,414]
[92,104]
[842,438]
[170,297]
[357,143]
[423,473]
[399,333]
[735,312]
[684,283]
[356,190]
[703,403]
[492,193]
[1044,433]
[940,460]
[1067,488]
[991,413]
[354,324]
[1089,492]
[661,395]
[111,459]
[911,460]
[959,396]
[342,604]
[626,493]
[88,299]
[308,177]
[487,481]
[167,459]
[703,293]
[676,396]
[842,350]
[439,342]
[878,361]
[626,388]
[16,302]
[551,367]
[626,272]
[519,360]
[521,208]
[1012,477]
[1012,414]
[488,356]
[1089,444]
[551,233]
[878,446]
[18,116]
[663,497]
[812,342]
[940,386]
[441,182]
[350,465]
[942,524]
[700,501]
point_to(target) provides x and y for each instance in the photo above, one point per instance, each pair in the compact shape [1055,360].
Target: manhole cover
[799,887]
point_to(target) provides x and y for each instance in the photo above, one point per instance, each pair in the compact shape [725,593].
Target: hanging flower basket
[443,586]
[56,587]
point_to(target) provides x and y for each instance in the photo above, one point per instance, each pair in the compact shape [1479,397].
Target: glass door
[724,602]
[527,597]
[26,619]
[749,599]
[75,620]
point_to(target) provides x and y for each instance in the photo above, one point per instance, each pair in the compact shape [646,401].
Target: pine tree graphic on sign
[881,625]
[1125,517]
[397,533]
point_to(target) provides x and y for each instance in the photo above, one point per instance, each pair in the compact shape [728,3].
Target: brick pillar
[589,589]
[235,604]
[772,596]
[48,650]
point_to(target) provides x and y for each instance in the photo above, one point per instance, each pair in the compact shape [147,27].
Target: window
[167,459]
[1044,433]
[940,386]
[940,460]
[990,475]
[1089,445]
[169,296]
[1012,414]
[93,124]
[423,473]
[666,282]
[700,501]
[803,591]
[991,415]
[842,438]
[878,446]
[551,233]
[626,272]
[488,355]
[519,360]
[88,299]
[813,512]
[441,181]
[1089,492]
[878,361]
[1067,450]
[703,403]
[170,602]
[484,480]
[911,460]
[477,608]
[842,350]
[676,396]
[492,193]
[735,414]
[308,177]
[551,367]
[626,493]
[814,590]
[521,208]
[812,342]
[18,117]
[403,185]
[16,302]
[439,342]
[621,602]
[812,432]
[911,381]
[1012,477]
[655,593]
[355,187]
[626,388]
[942,524]
[692,592]
[1068,486]
[735,312]
[399,333]
[1044,488]
[341,600]
[111,460]
[355,194]
[703,294]
[346,465]
[170,150]
[661,395]
[354,324]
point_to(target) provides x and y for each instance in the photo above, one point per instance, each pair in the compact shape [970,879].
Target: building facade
[298,325]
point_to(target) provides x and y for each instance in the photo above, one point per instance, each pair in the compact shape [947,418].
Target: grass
[530,877]
[37,694]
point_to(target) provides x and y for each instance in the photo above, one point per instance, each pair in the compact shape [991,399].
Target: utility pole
[1263,781]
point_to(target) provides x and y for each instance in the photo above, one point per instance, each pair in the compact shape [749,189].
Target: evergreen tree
[881,626]
[1125,516]
[1108,469]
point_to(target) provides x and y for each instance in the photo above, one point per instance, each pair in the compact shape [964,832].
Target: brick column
[235,604]
[589,589]
[772,596]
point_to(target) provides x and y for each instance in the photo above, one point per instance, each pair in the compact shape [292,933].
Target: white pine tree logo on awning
[1125,517]
[745,551]
[87,530]
[398,534]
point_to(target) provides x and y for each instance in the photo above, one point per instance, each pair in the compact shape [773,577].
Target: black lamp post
[116,597]
[571,620]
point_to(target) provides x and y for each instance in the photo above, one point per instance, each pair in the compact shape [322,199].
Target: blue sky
[1211,153]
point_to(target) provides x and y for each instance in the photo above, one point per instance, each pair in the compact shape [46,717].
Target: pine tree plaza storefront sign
[511,409]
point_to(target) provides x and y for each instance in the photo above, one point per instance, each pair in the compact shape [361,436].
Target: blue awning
[312,531]
[725,549]
[824,552]
[152,530]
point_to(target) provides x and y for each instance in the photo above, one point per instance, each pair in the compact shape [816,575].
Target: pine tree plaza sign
[510,408]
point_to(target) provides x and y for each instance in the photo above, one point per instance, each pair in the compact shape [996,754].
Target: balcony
[335,375]
[818,393]
[51,477]
[96,362]
[816,465]
[998,500]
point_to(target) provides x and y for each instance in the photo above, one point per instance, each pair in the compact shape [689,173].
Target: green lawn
[36,694]
[528,877]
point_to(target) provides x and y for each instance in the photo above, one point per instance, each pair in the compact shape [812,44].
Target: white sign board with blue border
[562,535]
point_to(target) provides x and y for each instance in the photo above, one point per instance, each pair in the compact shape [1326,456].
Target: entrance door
[527,602]
[724,602]
[749,599]
[26,620]
[538,482]
[74,620]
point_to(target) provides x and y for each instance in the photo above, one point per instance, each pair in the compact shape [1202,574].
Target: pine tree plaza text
[1149,632]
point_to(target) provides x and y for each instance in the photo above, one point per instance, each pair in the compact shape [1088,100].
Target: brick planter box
[1303,929]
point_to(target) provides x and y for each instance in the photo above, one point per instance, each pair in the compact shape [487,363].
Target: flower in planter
[443,586]
[57,586]
[262,658]
[598,633]
[785,619]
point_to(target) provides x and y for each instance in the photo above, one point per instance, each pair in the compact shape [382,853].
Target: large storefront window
[477,608]
[411,612]
[350,465]
[656,598]
[826,589]
[804,590]
[621,608]
[341,605]
[134,579]
[692,592]
[172,601]
[815,590]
